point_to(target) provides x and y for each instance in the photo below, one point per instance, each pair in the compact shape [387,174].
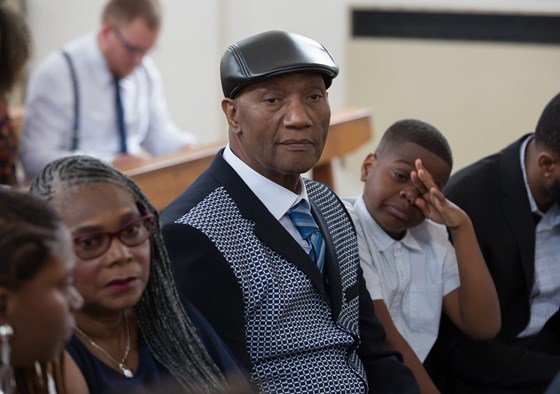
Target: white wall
[188,53]
[193,38]
[483,94]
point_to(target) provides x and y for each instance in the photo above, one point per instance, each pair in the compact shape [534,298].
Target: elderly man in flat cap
[271,258]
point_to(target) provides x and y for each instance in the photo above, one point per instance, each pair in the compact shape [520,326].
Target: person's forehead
[407,152]
[311,78]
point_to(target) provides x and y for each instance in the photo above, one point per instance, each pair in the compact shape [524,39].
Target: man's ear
[229,107]
[547,163]
[105,29]
[367,165]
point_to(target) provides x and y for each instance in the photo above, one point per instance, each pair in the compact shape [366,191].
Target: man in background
[101,95]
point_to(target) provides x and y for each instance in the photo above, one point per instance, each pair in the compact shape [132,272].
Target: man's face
[279,126]
[124,46]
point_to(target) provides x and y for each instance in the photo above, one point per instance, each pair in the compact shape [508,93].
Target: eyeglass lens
[89,246]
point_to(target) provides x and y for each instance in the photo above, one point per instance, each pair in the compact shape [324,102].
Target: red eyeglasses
[91,245]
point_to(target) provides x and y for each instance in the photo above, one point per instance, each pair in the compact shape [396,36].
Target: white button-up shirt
[411,275]
[47,131]
[277,199]
[545,294]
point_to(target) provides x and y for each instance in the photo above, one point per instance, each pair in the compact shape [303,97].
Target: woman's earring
[7,381]
[547,174]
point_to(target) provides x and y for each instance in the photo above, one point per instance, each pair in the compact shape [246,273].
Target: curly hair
[29,230]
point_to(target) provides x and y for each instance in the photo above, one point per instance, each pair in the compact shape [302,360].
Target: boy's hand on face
[433,203]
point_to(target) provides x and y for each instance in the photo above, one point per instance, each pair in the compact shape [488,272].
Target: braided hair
[29,230]
[162,320]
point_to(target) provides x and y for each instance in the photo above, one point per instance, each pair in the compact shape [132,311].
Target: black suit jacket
[206,278]
[493,193]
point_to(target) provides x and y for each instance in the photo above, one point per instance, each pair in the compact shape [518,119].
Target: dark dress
[101,378]
[150,374]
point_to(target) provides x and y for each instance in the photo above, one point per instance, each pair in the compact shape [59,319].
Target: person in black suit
[513,200]
[292,306]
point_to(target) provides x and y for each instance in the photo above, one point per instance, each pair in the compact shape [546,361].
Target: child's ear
[367,165]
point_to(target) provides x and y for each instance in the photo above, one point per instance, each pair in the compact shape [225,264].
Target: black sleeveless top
[101,378]
[150,374]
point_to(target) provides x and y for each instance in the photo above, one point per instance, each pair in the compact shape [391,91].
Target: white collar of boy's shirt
[380,238]
[277,199]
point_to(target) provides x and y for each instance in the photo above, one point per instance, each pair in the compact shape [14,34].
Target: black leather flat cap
[272,53]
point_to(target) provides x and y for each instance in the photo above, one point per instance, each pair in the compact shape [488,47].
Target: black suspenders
[75,127]
[76,99]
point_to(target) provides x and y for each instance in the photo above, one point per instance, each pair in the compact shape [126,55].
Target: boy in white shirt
[411,269]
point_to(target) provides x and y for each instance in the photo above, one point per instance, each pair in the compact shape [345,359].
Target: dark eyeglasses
[133,49]
[91,245]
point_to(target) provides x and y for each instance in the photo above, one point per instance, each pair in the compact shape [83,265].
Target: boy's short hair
[419,133]
[547,131]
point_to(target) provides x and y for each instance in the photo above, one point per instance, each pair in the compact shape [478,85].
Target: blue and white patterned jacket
[267,299]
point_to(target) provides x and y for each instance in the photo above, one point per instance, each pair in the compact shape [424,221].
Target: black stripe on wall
[541,29]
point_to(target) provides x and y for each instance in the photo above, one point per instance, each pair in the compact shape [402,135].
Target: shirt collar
[550,219]
[522,154]
[96,61]
[379,237]
[277,199]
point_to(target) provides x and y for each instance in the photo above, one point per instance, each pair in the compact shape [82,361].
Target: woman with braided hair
[133,331]
[36,295]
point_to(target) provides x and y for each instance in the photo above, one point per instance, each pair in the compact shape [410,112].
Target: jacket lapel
[332,268]
[517,208]
[267,228]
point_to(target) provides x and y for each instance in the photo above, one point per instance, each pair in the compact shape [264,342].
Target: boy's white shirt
[411,275]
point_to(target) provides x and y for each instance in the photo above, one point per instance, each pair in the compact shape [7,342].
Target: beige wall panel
[480,95]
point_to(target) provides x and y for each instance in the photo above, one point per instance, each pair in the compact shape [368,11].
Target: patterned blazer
[293,330]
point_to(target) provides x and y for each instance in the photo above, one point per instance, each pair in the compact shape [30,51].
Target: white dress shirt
[545,294]
[47,131]
[277,199]
[411,275]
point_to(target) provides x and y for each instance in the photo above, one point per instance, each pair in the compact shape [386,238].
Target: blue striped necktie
[301,217]
[120,117]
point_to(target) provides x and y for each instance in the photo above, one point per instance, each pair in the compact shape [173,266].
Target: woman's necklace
[122,365]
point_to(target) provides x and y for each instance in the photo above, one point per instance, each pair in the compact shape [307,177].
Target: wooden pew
[164,178]
[349,130]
